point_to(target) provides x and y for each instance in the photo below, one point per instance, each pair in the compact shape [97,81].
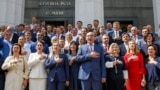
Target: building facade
[63,12]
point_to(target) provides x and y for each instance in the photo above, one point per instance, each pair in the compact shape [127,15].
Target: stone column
[156,10]
[11,12]
[88,10]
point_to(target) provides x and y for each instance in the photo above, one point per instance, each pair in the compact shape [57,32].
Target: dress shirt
[106,47]
[116,33]
[28,44]
[91,47]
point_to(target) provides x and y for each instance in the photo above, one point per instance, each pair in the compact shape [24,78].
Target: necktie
[116,33]
[134,38]
[115,65]
[58,36]
[90,46]
[105,48]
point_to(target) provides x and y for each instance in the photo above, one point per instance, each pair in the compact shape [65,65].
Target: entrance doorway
[56,23]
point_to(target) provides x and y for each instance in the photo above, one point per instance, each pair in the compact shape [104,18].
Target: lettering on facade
[54,13]
[56,3]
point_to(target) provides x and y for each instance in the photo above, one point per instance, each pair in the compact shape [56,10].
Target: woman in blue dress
[152,65]
[74,67]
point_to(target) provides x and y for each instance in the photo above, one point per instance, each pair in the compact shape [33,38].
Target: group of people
[99,58]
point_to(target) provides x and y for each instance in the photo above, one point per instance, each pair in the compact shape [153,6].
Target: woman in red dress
[135,65]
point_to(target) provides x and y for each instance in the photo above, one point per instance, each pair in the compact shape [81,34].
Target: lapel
[113,34]
[95,47]
[124,47]
[60,56]
[87,49]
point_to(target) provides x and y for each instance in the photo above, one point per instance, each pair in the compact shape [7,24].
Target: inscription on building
[56,3]
[53,5]
[56,13]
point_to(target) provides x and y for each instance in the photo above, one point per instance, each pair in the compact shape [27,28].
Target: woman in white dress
[16,65]
[38,74]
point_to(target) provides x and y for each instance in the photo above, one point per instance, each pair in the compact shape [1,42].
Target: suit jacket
[14,38]
[36,66]
[112,35]
[115,71]
[140,43]
[123,49]
[33,48]
[4,48]
[105,52]
[61,69]
[47,40]
[4,52]
[138,37]
[98,40]
[61,36]
[153,71]
[89,65]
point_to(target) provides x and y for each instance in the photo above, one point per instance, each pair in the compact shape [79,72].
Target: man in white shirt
[79,26]
[134,35]
[24,50]
[28,41]
[34,21]
[75,34]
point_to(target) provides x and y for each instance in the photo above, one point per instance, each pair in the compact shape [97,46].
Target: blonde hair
[136,50]
[52,53]
[110,51]
[68,33]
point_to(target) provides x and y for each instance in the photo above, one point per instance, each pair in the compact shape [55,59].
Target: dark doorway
[123,24]
[56,23]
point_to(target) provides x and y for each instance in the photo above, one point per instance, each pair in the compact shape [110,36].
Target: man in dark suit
[105,43]
[92,70]
[124,45]
[102,32]
[62,43]
[14,36]
[59,34]
[39,37]
[115,36]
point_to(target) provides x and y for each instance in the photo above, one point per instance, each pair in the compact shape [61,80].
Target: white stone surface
[12,12]
[88,10]
[156,10]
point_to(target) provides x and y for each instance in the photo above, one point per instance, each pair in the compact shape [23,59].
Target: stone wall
[140,11]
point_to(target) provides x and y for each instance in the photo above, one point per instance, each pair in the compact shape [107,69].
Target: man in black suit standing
[124,45]
[115,36]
